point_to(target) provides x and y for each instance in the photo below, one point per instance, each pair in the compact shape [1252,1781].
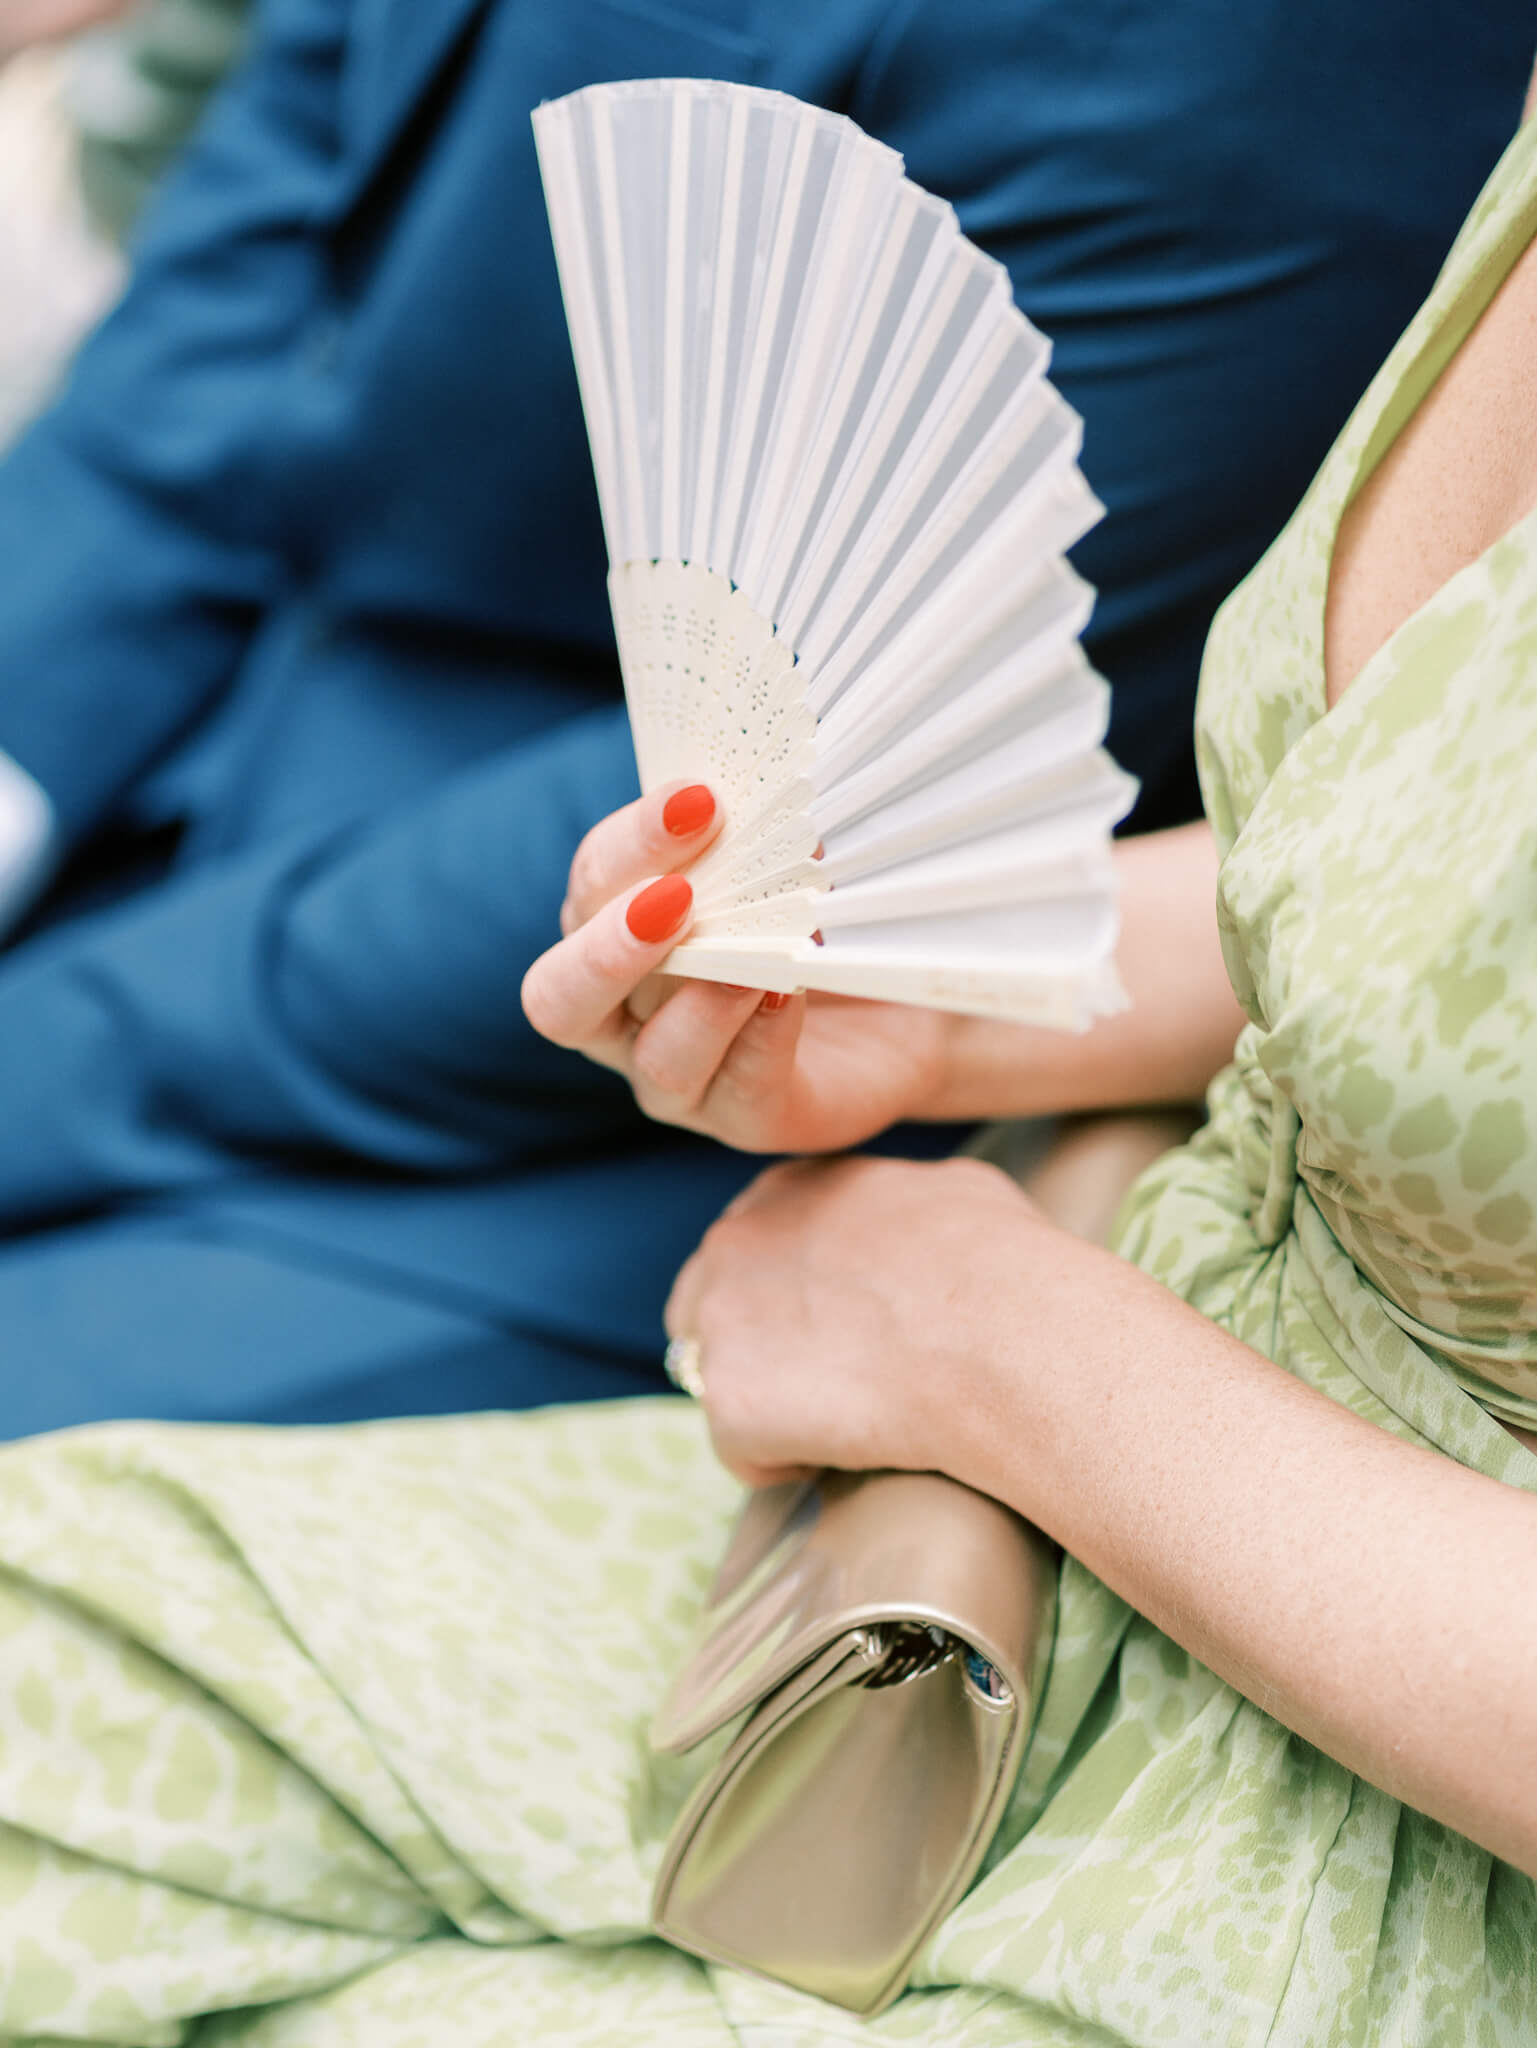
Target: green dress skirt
[338,1737]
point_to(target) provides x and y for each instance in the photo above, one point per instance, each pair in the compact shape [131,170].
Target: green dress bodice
[1378,905]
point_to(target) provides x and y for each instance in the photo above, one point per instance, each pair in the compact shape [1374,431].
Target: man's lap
[173,1316]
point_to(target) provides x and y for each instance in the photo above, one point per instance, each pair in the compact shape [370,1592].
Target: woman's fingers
[655,834]
[575,993]
[679,1316]
[678,1054]
[787,1189]
[697,1046]
[760,1070]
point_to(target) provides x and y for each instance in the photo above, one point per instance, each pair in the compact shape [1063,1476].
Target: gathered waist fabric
[1230,1225]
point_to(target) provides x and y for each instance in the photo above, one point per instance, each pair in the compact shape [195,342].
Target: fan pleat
[837,489]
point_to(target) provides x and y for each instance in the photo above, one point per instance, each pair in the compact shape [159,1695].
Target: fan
[837,488]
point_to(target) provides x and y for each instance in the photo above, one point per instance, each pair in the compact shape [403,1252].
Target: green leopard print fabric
[336,1739]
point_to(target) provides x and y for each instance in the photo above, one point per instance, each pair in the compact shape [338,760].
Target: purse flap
[840,1825]
[811,1562]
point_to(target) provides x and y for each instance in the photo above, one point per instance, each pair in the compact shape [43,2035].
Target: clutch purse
[883,1638]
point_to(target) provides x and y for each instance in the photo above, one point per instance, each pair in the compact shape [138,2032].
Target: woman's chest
[1380,911]
[1462,473]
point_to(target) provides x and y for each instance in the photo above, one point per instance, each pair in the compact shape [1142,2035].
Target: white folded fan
[837,489]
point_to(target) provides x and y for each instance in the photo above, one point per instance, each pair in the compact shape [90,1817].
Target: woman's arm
[824,1073]
[1177,1034]
[1372,1596]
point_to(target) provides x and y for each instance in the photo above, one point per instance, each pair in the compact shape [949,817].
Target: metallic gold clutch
[885,1636]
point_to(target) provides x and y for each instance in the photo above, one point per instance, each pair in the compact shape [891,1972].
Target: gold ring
[683,1364]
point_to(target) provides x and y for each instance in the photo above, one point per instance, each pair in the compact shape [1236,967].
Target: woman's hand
[761,1073]
[819,1074]
[870,1314]
[844,1309]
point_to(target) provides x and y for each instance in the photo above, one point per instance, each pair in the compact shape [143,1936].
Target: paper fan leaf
[837,488]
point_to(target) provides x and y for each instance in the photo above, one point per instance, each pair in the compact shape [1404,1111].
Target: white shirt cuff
[26,840]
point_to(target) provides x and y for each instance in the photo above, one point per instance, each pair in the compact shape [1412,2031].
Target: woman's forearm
[1177,1034]
[1372,1596]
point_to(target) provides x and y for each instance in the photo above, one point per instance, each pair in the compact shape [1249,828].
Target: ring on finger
[683,1364]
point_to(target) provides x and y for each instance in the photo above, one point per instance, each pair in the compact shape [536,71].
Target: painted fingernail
[688,811]
[773,1002]
[656,913]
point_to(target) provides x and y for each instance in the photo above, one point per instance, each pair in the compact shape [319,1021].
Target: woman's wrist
[1177,1032]
[987,1409]
[1066,1341]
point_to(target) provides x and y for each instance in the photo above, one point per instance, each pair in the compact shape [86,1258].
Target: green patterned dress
[337,1737]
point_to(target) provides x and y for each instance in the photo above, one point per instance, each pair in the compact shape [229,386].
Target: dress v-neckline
[1470,292]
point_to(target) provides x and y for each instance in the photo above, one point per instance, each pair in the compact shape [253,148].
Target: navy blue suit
[303,629]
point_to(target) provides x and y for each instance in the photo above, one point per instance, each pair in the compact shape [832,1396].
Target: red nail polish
[688,811]
[656,913]
[774,1002]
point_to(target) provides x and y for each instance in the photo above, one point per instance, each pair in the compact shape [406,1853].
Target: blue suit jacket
[303,628]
